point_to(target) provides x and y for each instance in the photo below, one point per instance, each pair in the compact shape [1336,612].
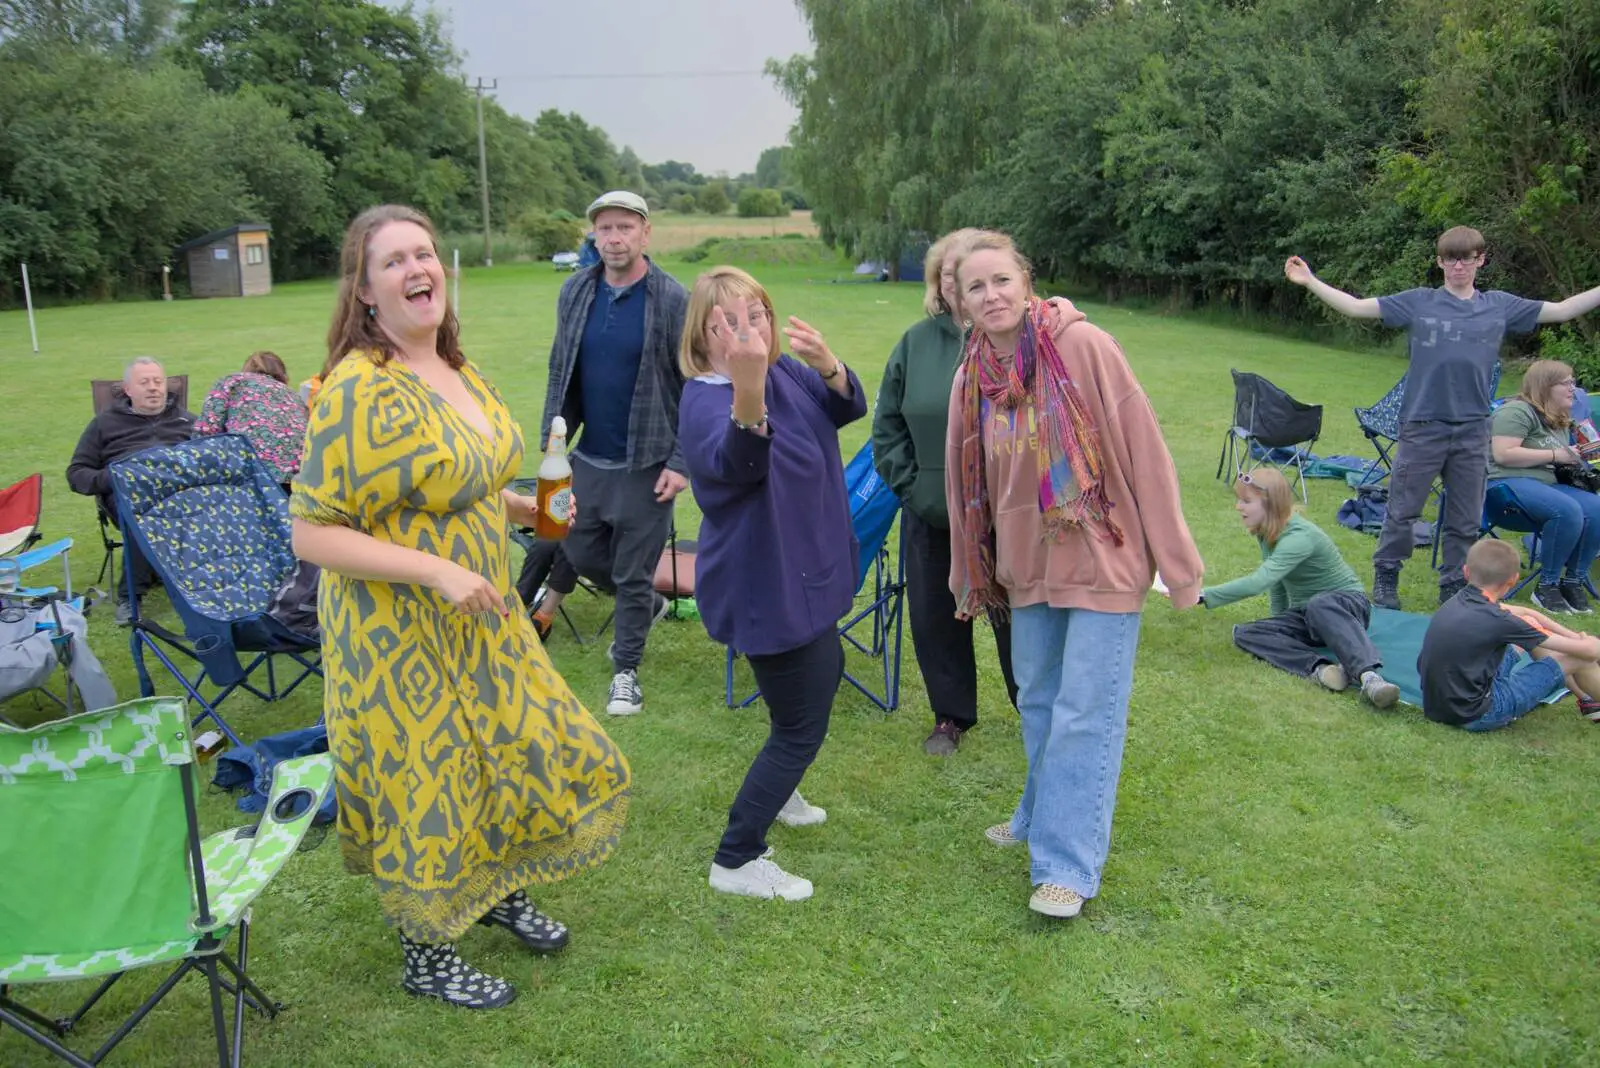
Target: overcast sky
[578,55]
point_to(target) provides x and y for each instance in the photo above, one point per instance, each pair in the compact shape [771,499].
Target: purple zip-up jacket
[778,558]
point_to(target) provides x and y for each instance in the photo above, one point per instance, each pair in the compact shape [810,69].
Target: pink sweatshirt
[1086,569]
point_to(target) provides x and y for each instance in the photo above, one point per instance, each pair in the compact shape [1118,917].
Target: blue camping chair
[873,628]
[214,525]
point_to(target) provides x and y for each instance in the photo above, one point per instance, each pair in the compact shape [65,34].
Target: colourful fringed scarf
[1071,487]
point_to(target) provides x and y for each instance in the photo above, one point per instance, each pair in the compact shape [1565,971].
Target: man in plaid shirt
[614,373]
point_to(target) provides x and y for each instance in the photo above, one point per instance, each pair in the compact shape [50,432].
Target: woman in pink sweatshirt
[1063,502]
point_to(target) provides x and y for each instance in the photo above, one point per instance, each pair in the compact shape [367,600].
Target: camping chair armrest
[298,788]
[35,557]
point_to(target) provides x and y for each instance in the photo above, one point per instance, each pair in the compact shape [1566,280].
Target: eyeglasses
[1461,261]
[1570,383]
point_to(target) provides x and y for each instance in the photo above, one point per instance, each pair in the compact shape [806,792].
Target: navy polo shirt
[608,368]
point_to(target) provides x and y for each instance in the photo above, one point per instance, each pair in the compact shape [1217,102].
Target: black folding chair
[1266,419]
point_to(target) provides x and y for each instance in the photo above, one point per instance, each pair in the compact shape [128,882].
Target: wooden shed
[230,263]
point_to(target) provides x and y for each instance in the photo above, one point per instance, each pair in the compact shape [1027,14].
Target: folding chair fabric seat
[1265,418]
[20,504]
[127,881]
[213,523]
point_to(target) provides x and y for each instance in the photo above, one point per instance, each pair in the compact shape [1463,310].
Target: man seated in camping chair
[143,414]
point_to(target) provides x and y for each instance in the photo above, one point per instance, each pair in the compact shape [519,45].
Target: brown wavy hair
[353,329]
[269,364]
[1539,383]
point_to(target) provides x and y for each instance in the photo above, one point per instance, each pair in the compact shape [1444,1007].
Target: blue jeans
[1074,673]
[1517,692]
[1567,520]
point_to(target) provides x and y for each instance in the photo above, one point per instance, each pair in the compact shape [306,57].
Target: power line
[587,76]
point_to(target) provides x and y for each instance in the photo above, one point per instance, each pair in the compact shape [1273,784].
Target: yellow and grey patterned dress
[466,769]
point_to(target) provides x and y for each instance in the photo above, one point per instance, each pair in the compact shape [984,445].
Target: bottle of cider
[555,486]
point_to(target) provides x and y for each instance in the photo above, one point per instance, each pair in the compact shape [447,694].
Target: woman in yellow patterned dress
[466,770]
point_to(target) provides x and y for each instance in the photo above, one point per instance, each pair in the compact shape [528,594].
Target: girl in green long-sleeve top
[1318,604]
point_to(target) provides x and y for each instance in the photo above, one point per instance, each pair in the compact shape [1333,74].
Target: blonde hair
[1538,385]
[991,241]
[1491,562]
[354,329]
[1270,486]
[718,286]
[1460,242]
[933,266]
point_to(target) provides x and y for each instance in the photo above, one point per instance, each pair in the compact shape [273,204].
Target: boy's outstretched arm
[1296,271]
[1569,309]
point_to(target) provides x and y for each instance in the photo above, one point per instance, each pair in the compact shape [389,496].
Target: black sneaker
[1576,595]
[1450,588]
[1386,587]
[1548,597]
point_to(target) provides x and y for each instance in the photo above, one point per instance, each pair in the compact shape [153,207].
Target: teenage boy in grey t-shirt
[1454,336]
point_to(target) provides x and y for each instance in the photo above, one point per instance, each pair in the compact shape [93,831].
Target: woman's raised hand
[807,343]
[737,346]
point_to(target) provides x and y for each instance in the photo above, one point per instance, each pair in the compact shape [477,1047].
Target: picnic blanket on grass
[1398,636]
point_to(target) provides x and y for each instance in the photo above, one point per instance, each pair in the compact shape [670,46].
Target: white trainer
[798,812]
[760,878]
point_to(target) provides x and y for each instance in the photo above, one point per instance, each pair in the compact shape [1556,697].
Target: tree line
[1183,149]
[130,126]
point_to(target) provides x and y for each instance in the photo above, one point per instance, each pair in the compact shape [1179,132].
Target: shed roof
[218,235]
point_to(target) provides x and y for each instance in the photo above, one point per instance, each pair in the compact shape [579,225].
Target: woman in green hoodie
[908,443]
[1319,607]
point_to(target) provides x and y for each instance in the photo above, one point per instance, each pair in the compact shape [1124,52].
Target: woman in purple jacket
[778,558]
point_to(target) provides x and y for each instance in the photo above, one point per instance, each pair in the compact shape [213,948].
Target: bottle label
[559,505]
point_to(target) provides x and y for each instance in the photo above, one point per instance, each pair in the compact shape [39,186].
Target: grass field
[671,232]
[1295,879]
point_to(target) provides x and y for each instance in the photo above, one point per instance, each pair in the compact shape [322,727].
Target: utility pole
[483,172]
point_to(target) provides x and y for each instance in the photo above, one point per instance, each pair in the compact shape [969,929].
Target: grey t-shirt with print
[1517,419]
[1454,344]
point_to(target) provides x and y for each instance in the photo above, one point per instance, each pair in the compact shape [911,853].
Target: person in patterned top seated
[466,770]
[259,404]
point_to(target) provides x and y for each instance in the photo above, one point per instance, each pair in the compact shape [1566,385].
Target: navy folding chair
[213,523]
[874,628]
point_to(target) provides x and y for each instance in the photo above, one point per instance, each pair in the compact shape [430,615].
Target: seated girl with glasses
[1318,604]
[1530,437]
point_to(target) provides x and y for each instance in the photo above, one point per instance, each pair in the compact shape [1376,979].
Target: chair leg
[142,1011]
[225,1059]
[21,1024]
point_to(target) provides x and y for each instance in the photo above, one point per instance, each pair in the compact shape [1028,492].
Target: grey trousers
[1427,450]
[1294,640]
[616,543]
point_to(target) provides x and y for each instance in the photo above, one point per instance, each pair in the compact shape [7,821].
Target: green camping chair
[103,869]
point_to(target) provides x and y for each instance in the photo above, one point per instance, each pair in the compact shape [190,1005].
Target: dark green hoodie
[909,421]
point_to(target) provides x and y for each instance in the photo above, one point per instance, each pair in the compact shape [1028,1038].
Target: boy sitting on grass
[1470,676]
